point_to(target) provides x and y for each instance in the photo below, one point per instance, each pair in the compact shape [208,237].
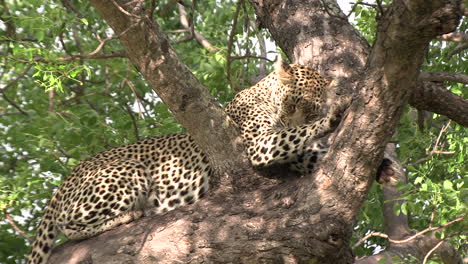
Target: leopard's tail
[45,238]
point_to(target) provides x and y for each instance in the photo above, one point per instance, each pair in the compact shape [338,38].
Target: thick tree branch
[395,226]
[436,98]
[443,77]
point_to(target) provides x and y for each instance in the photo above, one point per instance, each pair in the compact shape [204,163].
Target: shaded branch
[429,253]
[230,44]
[12,103]
[435,149]
[190,27]
[443,77]
[459,48]
[134,121]
[15,226]
[92,56]
[16,79]
[70,6]
[250,57]
[437,99]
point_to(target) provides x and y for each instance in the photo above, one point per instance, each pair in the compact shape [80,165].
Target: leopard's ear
[283,70]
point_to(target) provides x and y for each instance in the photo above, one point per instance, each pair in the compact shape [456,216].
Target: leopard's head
[304,92]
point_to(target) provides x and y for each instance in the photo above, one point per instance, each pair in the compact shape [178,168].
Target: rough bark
[436,98]
[306,220]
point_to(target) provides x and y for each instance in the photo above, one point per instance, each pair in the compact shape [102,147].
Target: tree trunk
[254,219]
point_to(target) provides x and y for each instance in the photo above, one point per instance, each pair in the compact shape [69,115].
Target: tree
[90,82]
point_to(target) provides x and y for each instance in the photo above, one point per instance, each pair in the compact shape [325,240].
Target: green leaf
[403,208]
[40,35]
[448,185]
[418,180]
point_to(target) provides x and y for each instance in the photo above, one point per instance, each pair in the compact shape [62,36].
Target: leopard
[281,120]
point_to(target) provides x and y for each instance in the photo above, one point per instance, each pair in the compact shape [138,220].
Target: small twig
[12,103]
[250,57]
[177,31]
[429,229]
[16,79]
[353,8]
[15,226]
[65,102]
[190,27]
[93,54]
[64,153]
[88,56]
[102,43]
[426,258]
[231,42]
[431,221]
[11,113]
[132,88]
[442,131]
[459,48]
[77,38]
[124,11]
[70,6]
[380,8]
[372,234]
[455,37]
[62,42]
[435,149]
[134,121]
[51,100]
[444,152]
[367,4]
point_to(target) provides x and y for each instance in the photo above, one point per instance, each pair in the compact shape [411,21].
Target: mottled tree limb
[443,77]
[436,98]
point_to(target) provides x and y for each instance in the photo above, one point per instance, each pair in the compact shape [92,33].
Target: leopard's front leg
[288,144]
